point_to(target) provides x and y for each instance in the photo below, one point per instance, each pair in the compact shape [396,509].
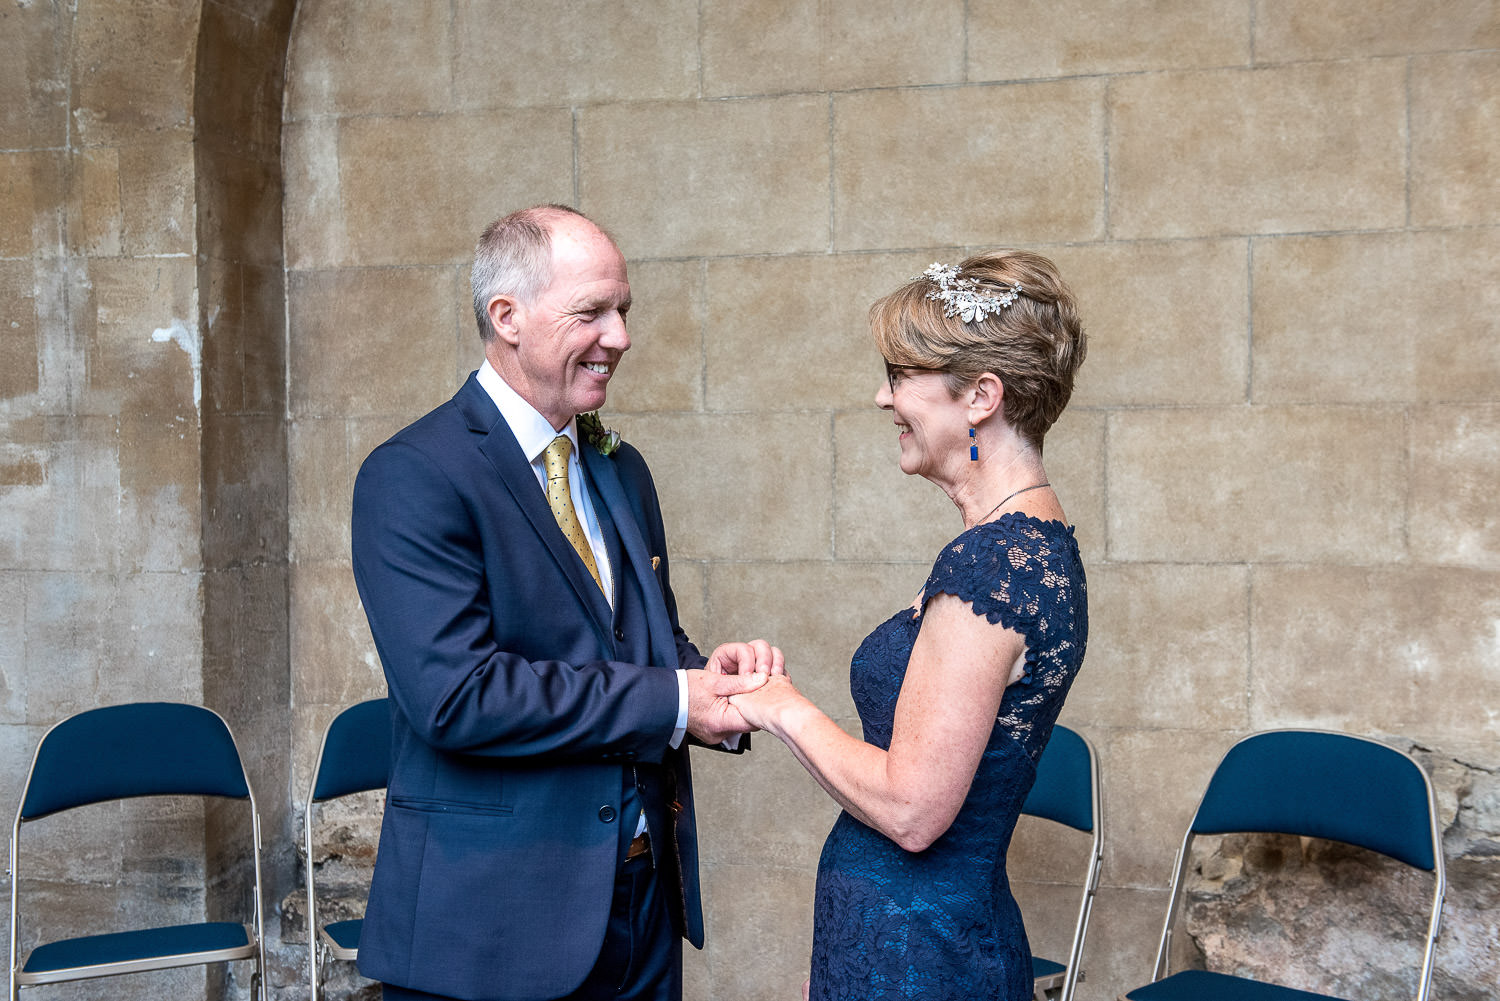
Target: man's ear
[504,319]
[986,395]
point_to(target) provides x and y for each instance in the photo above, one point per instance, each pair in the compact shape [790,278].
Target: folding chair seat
[354,757]
[1317,784]
[123,752]
[1067,792]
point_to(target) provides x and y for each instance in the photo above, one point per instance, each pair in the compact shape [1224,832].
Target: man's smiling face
[569,339]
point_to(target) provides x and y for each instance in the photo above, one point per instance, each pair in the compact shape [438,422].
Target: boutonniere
[604,439]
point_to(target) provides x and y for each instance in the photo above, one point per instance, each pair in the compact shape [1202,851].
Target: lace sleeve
[1023,574]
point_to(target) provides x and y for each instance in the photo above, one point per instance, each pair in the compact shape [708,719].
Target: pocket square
[655,562]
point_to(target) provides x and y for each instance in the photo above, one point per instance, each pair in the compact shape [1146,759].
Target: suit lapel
[519,479]
[611,501]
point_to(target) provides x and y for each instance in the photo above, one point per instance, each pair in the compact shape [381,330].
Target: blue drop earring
[973,447]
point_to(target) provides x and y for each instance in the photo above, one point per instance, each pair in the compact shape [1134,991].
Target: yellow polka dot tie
[560,499]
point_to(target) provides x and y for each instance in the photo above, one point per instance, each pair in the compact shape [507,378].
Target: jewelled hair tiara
[961,296]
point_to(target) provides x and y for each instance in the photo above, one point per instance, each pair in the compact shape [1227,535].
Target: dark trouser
[642,956]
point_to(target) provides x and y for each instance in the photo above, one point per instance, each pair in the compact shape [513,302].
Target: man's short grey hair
[514,258]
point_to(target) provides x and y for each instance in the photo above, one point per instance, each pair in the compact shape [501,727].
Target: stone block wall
[1281,221]
[234,238]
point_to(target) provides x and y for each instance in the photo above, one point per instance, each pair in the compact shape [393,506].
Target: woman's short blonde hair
[1034,345]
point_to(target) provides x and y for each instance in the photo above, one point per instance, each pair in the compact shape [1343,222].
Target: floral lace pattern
[941,924]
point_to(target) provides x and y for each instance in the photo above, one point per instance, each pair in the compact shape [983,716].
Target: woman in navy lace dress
[957,693]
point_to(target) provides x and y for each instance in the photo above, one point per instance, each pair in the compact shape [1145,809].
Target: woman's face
[931,426]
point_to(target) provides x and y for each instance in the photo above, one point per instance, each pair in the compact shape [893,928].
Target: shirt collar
[533,431]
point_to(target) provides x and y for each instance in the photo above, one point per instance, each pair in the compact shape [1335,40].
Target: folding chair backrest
[356,751]
[354,757]
[1325,785]
[122,752]
[1066,791]
[1063,791]
[141,749]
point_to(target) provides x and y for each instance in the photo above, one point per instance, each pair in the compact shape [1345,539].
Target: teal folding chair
[354,757]
[1308,783]
[1067,792]
[122,752]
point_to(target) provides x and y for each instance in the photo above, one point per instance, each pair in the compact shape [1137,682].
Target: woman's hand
[769,706]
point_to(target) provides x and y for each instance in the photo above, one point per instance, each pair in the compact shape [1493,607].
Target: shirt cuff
[731,743]
[682,710]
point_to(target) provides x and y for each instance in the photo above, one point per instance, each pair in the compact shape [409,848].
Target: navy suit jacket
[521,705]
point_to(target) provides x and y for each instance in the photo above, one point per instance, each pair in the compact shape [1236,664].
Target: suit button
[619,636]
[607,814]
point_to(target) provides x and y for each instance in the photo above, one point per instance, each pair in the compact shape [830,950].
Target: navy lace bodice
[941,923]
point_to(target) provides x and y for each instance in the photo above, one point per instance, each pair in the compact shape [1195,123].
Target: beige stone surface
[19,348]
[1286,30]
[333,658]
[33,96]
[97,218]
[701,186]
[1076,467]
[881,513]
[738,486]
[353,58]
[760,809]
[1153,780]
[156,198]
[161,507]
[1455,138]
[1335,323]
[758,927]
[371,341]
[1264,484]
[63,501]
[968,165]
[890,43]
[575,52]
[1167,322]
[1033,38]
[239,208]
[1421,637]
[132,69]
[1168,644]
[818,613]
[793,332]
[663,369]
[1455,455]
[420,189]
[1305,147]
[761,47]
[13,675]
[321,485]
[145,348]
[30,214]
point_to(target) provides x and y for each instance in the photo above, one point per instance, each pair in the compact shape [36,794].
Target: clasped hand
[732,669]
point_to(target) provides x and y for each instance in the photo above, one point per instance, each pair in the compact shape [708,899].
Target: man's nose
[615,336]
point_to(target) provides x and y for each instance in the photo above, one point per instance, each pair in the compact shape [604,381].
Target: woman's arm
[959,669]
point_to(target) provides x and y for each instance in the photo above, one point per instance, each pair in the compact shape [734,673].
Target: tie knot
[555,458]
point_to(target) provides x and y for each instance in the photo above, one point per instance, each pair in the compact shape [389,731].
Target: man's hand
[710,716]
[754,657]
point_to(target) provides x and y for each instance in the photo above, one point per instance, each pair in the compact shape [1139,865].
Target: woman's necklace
[1034,486]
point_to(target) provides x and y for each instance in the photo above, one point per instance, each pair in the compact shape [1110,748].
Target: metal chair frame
[360,732]
[1056,797]
[137,950]
[1431,862]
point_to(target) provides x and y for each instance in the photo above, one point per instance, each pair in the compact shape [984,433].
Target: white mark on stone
[186,338]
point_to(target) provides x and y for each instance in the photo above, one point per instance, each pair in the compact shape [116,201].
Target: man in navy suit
[539,840]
